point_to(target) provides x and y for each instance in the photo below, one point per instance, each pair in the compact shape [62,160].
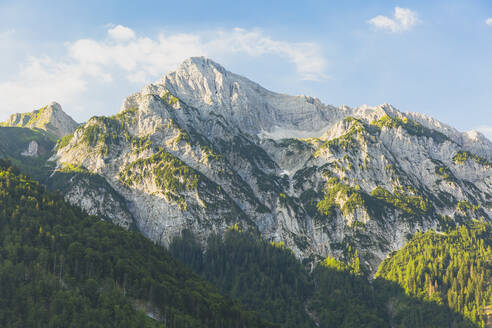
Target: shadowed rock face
[204,148]
[50,118]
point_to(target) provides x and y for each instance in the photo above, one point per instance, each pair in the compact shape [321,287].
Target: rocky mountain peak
[201,64]
[54,107]
[50,118]
[207,86]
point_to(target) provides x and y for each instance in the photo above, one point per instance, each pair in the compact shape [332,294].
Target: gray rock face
[32,150]
[204,148]
[50,118]
[204,84]
[94,195]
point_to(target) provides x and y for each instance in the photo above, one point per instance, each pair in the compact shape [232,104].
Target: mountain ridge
[203,149]
[207,76]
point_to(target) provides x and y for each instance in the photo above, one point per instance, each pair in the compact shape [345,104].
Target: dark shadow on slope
[269,279]
[265,277]
[345,300]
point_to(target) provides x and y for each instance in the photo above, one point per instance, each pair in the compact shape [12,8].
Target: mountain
[203,149]
[60,267]
[50,118]
[201,83]
[28,140]
[308,214]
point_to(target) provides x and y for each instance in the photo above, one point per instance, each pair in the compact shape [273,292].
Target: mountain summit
[206,85]
[51,118]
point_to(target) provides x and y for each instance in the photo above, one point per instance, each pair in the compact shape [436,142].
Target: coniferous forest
[62,268]
[448,286]
[452,269]
[266,277]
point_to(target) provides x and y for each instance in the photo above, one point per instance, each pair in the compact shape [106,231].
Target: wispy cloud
[306,56]
[488,21]
[89,64]
[403,20]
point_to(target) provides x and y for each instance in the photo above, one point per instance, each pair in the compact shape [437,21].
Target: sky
[433,57]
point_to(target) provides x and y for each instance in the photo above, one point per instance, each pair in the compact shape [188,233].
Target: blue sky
[433,57]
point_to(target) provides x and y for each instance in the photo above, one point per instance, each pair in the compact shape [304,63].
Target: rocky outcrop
[203,149]
[50,118]
[93,195]
[32,149]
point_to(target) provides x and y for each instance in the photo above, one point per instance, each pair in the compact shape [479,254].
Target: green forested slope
[62,268]
[452,269]
[14,141]
[264,276]
[268,278]
[345,298]
[436,280]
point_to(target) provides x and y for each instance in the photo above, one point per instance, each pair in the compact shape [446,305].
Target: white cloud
[121,33]
[306,56]
[403,20]
[4,35]
[140,59]
[89,66]
[488,21]
[145,57]
[39,82]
